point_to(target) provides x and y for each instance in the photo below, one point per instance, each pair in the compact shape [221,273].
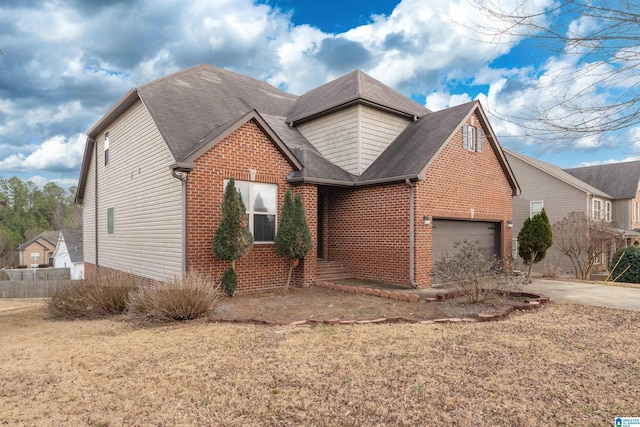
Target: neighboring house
[560,192]
[39,250]
[68,253]
[388,186]
[622,182]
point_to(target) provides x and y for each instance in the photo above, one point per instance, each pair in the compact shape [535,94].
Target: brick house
[38,250]
[387,185]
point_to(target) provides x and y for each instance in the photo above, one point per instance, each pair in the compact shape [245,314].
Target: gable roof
[73,241]
[50,236]
[355,87]
[620,180]
[195,108]
[418,145]
[559,174]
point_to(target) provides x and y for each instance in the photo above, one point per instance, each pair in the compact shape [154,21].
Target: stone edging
[532,301]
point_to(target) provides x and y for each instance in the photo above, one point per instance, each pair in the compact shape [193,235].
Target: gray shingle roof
[73,240]
[188,105]
[195,106]
[49,236]
[414,148]
[620,180]
[559,173]
[350,88]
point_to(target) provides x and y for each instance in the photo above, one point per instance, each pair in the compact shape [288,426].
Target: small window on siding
[607,211]
[472,138]
[109,220]
[514,248]
[106,148]
[535,208]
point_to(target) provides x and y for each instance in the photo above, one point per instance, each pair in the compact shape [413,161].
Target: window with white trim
[472,138]
[535,208]
[514,247]
[596,212]
[106,148]
[636,212]
[35,259]
[607,211]
[261,202]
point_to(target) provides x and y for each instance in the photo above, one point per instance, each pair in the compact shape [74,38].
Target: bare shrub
[97,296]
[551,270]
[179,299]
[474,273]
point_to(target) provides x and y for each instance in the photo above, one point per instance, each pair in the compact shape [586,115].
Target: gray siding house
[607,192]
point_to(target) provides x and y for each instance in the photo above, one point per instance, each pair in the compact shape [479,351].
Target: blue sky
[66,62]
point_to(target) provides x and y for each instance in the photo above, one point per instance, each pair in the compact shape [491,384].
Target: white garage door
[447,232]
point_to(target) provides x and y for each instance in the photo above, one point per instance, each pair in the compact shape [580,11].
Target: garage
[447,232]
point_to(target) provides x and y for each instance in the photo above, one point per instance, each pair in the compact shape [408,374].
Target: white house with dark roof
[69,253]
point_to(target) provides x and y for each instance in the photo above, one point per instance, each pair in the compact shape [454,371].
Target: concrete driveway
[587,294]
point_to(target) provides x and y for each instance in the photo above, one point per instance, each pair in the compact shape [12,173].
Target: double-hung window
[607,211]
[535,208]
[261,201]
[472,138]
[597,210]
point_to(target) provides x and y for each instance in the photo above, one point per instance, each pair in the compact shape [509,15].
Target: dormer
[353,119]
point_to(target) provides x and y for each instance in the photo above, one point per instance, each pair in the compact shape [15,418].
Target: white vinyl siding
[379,129]
[88,214]
[336,137]
[353,138]
[147,222]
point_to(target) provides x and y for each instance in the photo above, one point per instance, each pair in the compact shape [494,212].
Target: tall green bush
[293,239]
[534,239]
[630,261]
[232,240]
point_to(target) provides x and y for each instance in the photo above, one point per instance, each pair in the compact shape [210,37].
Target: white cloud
[40,181]
[55,153]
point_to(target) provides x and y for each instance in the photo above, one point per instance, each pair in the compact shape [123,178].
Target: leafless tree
[594,63]
[582,240]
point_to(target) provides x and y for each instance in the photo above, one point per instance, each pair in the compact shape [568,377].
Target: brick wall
[368,231]
[368,228]
[245,149]
[462,184]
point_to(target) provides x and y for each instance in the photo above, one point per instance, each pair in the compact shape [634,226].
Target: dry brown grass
[560,365]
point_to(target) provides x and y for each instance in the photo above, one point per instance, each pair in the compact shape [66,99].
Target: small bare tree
[472,271]
[582,240]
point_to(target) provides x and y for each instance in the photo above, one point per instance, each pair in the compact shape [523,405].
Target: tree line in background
[27,210]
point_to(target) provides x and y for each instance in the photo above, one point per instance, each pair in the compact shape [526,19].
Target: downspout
[412,227]
[95,202]
[182,176]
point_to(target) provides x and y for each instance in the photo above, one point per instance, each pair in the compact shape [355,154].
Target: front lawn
[559,365]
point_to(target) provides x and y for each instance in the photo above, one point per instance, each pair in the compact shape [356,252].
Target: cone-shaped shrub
[293,239]
[232,240]
[534,239]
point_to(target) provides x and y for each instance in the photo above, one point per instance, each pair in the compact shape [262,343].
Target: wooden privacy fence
[31,288]
[36,274]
